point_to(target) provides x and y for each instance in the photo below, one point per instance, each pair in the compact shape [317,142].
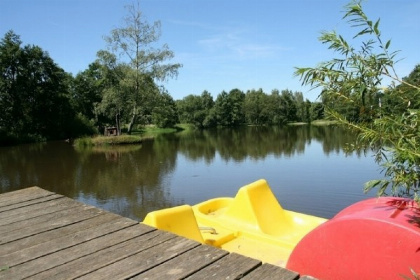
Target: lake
[306,167]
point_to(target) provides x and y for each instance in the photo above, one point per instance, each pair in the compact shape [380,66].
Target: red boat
[378,238]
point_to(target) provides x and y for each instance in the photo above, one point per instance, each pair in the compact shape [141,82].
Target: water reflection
[133,180]
[259,142]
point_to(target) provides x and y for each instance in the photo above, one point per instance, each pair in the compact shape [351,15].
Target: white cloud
[240,44]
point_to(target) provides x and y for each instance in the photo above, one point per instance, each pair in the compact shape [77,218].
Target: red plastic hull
[374,239]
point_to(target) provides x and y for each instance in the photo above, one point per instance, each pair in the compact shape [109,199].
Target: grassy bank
[136,137]
[108,140]
[151,131]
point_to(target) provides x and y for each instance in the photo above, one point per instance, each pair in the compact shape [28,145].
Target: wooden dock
[44,235]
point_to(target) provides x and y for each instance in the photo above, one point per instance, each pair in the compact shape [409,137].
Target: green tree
[165,113]
[404,94]
[288,105]
[87,90]
[187,107]
[207,103]
[113,99]
[307,116]
[317,111]
[34,93]
[355,79]
[135,45]
[10,52]
[228,108]
[196,110]
[300,106]
[255,107]
[275,107]
[190,108]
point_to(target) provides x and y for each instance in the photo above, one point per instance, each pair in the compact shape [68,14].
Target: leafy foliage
[196,110]
[133,49]
[34,94]
[387,119]
[228,108]
[87,90]
[40,101]
[254,107]
[165,113]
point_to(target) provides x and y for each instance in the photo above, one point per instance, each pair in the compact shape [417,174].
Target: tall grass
[107,140]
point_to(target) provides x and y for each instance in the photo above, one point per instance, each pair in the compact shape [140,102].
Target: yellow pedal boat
[252,224]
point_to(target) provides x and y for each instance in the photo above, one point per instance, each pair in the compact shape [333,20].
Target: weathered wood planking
[44,235]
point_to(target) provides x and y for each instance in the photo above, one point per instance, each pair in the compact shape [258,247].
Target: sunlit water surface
[305,166]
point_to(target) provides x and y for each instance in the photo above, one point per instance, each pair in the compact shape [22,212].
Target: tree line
[253,107]
[40,101]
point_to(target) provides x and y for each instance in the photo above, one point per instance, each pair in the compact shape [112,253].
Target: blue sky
[222,44]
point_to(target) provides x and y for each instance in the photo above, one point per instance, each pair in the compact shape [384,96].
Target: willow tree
[356,78]
[135,44]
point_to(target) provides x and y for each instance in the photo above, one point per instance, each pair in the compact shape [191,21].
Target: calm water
[305,166]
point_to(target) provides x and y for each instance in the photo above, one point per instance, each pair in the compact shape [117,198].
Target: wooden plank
[50,261]
[144,260]
[49,222]
[185,264]
[23,195]
[39,204]
[269,271]
[35,210]
[233,266]
[100,259]
[46,236]
[24,192]
[29,202]
[67,241]
[48,218]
